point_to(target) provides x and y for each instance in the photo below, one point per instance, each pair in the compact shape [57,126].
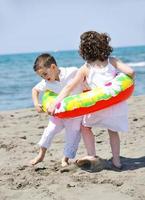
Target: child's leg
[115,147]
[72,138]
[40,156]
[55,126]
[89,140]
[64,161]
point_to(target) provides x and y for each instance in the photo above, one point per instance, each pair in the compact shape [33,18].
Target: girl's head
[46,67]
[95,46]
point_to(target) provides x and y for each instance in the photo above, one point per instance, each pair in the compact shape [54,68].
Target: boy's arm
[35,98]
[122,67]
[40,87]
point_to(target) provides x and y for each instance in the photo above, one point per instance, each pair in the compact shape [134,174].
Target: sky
[51,25]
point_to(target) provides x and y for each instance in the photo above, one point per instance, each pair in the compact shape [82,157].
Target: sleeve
[41,86]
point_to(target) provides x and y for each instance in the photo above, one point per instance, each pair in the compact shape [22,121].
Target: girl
[99,69]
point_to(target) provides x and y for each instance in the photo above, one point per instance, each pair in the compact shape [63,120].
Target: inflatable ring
[113,92]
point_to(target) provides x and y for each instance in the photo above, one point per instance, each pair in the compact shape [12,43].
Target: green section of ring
[89,98]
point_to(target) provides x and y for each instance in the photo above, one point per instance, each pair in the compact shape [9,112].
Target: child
[55,79]
[99,69]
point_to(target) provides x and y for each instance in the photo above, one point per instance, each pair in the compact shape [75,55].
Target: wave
[137,64]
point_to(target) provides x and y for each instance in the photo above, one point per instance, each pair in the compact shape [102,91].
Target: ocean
[17,76]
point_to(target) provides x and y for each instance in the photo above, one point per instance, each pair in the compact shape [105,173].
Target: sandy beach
[20,130]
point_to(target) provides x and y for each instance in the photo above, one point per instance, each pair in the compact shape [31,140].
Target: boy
[55,79]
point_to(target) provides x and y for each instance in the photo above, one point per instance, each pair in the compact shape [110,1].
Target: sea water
[17,76]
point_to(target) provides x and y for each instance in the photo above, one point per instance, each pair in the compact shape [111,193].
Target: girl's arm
[78,79]
[122,67]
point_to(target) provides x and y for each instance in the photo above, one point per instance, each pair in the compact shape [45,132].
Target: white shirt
[65,76]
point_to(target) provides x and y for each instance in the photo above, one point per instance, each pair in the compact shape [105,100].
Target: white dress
[115,117]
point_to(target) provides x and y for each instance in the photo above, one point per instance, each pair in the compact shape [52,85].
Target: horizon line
[63,50]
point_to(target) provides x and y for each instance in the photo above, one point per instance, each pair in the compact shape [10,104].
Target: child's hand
[51,109]
[38,108]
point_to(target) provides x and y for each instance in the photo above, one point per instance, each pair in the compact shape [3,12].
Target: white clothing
[66,75]
[114,117]
[55,125]
[72,134]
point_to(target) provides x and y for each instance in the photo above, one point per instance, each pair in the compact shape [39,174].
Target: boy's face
[49,74]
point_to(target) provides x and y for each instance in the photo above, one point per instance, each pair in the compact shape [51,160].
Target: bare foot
[116,162]
[36,160]
[40,156]
[91,163]
[85,160]
[64,162]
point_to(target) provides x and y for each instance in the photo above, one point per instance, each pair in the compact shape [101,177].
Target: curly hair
[95,46]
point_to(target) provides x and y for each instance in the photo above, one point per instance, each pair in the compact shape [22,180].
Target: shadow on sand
[101,164]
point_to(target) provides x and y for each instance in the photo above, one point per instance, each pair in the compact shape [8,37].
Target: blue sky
[44,25]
